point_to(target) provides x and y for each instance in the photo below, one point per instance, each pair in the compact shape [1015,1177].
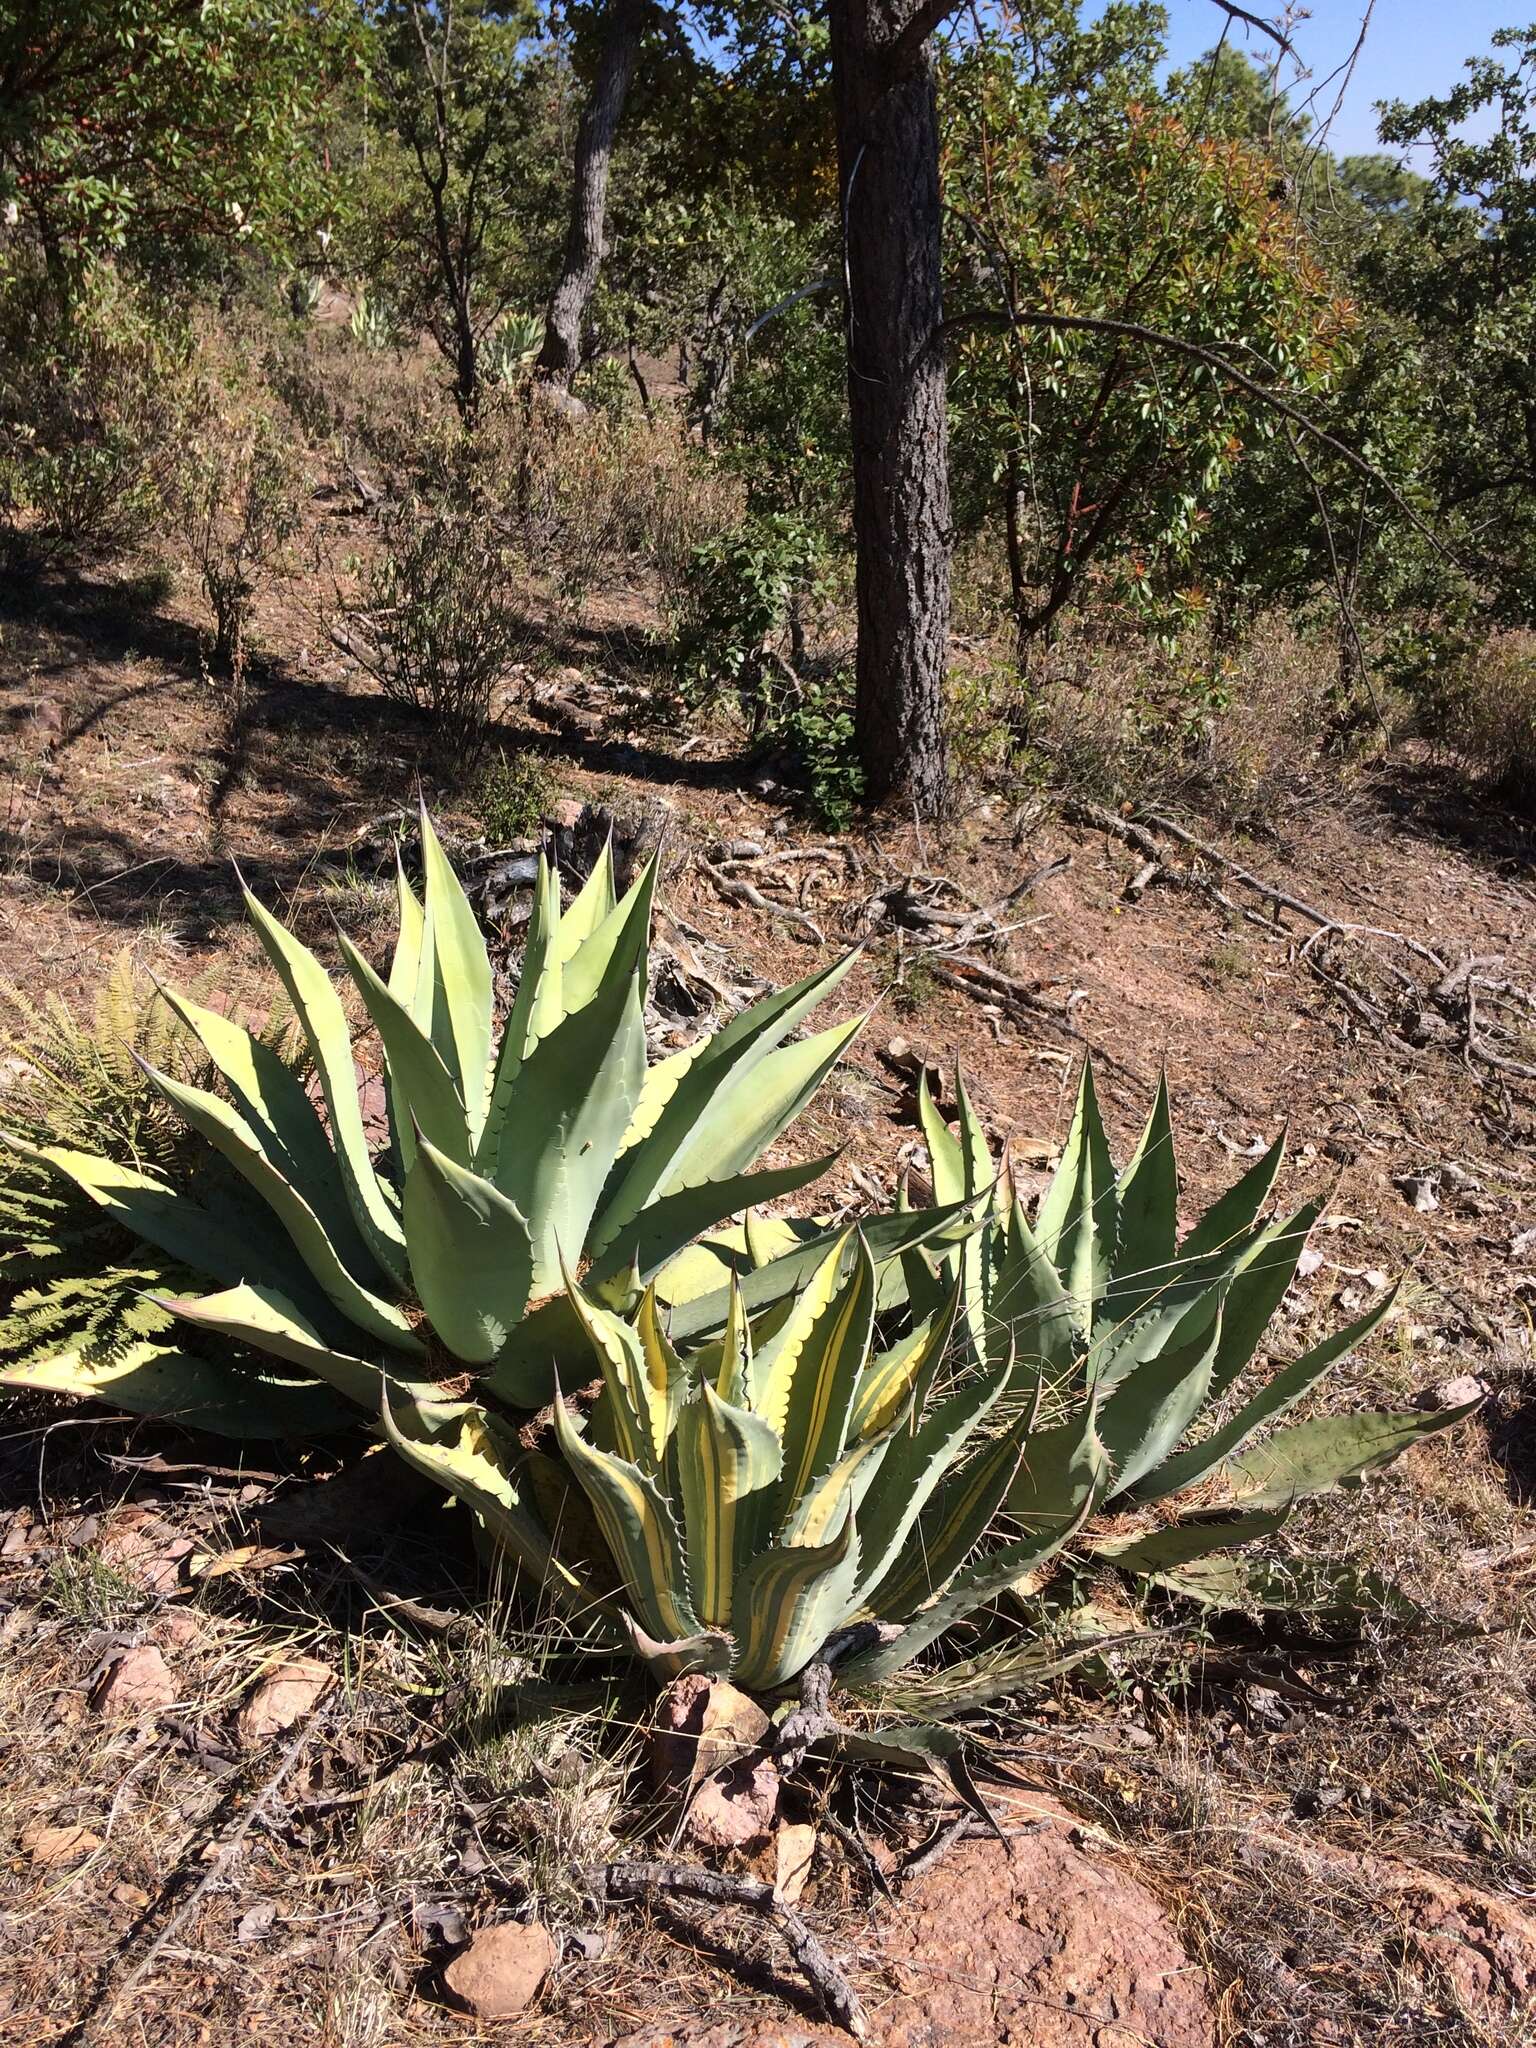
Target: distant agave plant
[512,347]
[557,1147]
[304,296]
[371,326]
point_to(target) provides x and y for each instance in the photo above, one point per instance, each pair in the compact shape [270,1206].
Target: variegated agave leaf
[558,1144]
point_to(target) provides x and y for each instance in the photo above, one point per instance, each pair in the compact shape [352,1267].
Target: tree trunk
[560,357]
[888,174]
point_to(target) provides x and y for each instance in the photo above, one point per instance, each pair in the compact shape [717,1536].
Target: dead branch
[735,889]
[633,1880]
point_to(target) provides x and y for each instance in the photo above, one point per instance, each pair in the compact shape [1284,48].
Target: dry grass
[1486,717]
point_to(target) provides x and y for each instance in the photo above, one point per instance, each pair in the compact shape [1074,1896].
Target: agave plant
[512,347]
[557,1146]
[371,325]
[1061,1390]
[787,1480]
[1141,1343]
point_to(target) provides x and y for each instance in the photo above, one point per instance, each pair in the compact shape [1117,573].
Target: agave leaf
[900,1378]
[980,1173]
[708,1652]
[424,1094]
[726,1458]
[1150,1551]
[946,1159]
[471,1254]
[810,1383]
[953,1521]
[271,1097]
[1331,1450]
[736,1128]
[589,906]
[886,1237]
[977,1583]
[1061,1468]
[1149,1207]
[324,1021]
[463,978]
[460,1447]
[694,1136]
[569,1109]
[789,1599]
[1281,1394]
[674,1220]
[225,1398]
[917,1744]
[666,1376]
[536,1010]
[1256,1290]
[266,1319]
[231,1135]
[976,1682]
[586,969]
[165,1217]
[638,1528]
[624,1419]
[405,962]
[1079,1220]
[1233,1214]
[1028,1311]
[1144,1416]
[1330,1593]
[916,1463]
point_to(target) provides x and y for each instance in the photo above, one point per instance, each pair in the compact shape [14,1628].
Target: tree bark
[888,173]
[624,27]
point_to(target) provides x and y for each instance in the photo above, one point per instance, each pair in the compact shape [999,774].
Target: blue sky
[1412,48]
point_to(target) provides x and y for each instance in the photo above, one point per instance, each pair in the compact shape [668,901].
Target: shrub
[1483,713]
[237,506]
[512,795]
[90,408]
[508,354]
[438,623]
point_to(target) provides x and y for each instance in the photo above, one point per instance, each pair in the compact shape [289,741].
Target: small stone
[280,1701]
[564,816]
[703,1724]
[502,1970]
[53,1848]
[178,1628]
[794,1848]
[1452,1393]
[256,1922]
[138,1682]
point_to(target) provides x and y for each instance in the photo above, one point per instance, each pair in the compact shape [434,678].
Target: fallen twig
[736,889]
[636,1880]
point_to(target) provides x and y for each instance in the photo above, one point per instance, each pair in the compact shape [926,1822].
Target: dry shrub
[601,492]
[1236,731]
[1485,718]
[235,503]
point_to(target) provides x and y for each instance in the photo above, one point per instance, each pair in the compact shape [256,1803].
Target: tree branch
[1083,323]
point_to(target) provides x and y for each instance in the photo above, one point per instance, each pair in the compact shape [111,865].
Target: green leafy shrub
[236,499]
[439,623]
[90,410]
[558,1147]
[512,795]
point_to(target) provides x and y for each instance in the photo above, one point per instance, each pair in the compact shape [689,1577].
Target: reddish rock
[1056,1948]
[735,1808]
[703,1724]
[281,1699]
[502,1970]
[137,1682]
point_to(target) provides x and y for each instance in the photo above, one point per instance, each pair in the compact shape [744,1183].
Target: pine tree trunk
[560,357]
[888,164]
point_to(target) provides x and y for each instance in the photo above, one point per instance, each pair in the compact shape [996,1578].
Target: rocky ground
[259,1775]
